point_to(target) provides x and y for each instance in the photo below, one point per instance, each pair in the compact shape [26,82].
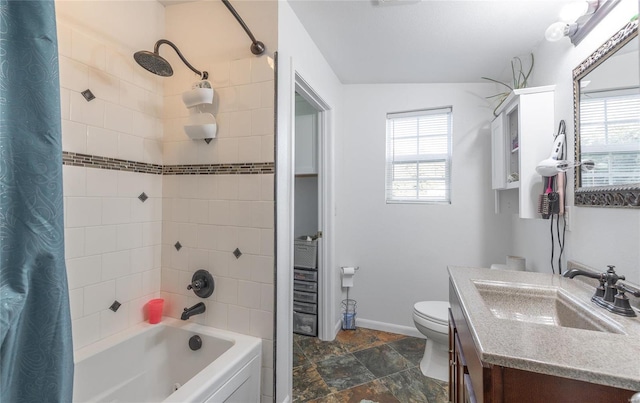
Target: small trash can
[348,314]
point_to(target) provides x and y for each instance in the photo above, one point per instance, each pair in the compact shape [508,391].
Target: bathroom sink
[542,305]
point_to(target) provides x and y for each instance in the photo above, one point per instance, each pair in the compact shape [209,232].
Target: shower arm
[204,75]
[257,47]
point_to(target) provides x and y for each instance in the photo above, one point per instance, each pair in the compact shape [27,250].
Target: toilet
[431,318]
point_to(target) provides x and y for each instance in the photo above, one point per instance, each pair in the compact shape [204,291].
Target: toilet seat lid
[436,311]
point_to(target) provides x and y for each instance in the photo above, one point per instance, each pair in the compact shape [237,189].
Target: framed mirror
[606,110]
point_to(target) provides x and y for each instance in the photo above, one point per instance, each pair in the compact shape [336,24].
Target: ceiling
[428,41]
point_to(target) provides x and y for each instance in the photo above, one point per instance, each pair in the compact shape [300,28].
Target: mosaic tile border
[94,161]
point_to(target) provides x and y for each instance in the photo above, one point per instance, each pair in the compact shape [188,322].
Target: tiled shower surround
[211,198]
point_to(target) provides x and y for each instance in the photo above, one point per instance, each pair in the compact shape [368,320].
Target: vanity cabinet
[521,136]
[472,380]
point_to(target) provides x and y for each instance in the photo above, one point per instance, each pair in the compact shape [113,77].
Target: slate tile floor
[362,366]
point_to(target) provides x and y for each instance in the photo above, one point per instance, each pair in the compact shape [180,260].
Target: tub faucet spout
[194,310]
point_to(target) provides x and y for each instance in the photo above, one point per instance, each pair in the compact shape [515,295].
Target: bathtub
[154,363]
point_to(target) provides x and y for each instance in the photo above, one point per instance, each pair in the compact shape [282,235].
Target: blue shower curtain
[36,352]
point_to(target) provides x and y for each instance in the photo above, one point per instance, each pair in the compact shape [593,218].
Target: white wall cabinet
[521,136]
[306,130]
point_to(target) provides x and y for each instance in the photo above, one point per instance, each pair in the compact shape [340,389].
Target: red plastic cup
[155,310]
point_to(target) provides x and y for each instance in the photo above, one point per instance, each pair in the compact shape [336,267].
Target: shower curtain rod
[257,47]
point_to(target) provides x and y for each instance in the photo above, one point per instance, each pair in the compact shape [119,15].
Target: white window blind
[610,136]
[419,156]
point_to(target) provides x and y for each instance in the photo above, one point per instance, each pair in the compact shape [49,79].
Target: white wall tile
[102,182]
[129,288]
[262,214]
[73,75]
[76,303]
[249,149]
[102,142]
[261,70]
[262,121]
[226,290]
[249,240]
[249,96]
[219,263]
[198,259]
[249,294]
[144,126]
[90,113]
[129,236]
[241,267]
[74,241]
[198,211]
[188,234]
[189,187]
[150,281]
[268,149]
[104,86]
[88,50]
[266,297]
[267,94]
[81,211]
[239,319]
[142,259]
[219,74]
[227,99]
[228,187]
[85,330]
[267,242]
[267,187]
[74,181]
[100,239]
[64,40]
[116,210]
[240,72]
[261,324]
[137,311]
[114,322]
[152,151]
[217,314]
[228,239]
[151,233]
[132,96]
[74,137]
[207,237]
[118,118]
[130,148]
[240,123]
[83,271]
[116,265]
[64,103]
[119,64]
[98,297]
[263,269]
[219,212]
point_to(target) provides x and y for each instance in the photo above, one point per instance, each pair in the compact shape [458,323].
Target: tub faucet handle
[196,285]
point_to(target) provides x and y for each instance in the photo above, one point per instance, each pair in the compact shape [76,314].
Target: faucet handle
[622,288]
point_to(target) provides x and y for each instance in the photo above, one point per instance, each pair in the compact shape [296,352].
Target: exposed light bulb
[556,31]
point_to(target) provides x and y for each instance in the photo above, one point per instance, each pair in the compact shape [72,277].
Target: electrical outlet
[568,215]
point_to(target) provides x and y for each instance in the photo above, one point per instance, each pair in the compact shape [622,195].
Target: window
[419,156]
[610,136]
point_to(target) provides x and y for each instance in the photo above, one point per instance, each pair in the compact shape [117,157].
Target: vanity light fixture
[578,18]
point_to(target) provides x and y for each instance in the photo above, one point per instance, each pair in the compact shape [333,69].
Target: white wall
[403,249]
[598,236]
[296,53]
[112,239]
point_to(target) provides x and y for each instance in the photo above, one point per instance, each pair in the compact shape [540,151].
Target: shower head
[153,63]
[156,64]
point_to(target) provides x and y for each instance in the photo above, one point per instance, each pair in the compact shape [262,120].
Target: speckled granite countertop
[597,357]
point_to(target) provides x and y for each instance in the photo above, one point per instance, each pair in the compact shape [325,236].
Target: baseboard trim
[389,327]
